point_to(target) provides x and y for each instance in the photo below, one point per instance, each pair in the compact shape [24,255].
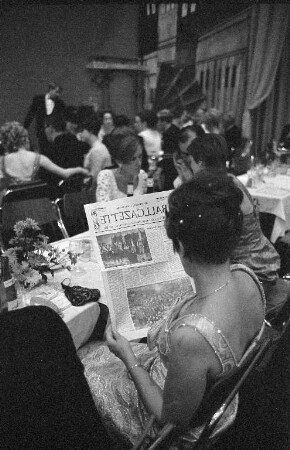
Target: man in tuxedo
[42,107]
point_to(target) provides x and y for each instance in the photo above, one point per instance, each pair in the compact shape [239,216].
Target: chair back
[30,200]
[73,194]
[215,402]
[27,191]
[241,158]
[74,183]
[224,391]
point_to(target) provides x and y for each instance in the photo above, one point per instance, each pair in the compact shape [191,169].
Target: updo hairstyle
[14,136]
[122,144]
[205,216]
[211,150]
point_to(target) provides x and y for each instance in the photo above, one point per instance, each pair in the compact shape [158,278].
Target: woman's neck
[210,277]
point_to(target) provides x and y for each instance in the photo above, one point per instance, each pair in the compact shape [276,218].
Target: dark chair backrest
[27,191]
[74,183]
[221,393]
[30,200]
[241,158]
[72,211]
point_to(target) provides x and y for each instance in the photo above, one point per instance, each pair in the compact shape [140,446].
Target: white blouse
[107,188]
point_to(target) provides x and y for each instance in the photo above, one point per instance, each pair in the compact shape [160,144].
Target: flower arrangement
[30,256]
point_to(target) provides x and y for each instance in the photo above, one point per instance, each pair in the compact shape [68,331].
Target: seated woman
[19,164]
[126,151]
[254,249]
[202,339]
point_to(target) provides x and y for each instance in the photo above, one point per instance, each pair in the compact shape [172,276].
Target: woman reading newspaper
[202,339]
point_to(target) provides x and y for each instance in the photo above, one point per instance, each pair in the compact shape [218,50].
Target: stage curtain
[267,36]
[270,117]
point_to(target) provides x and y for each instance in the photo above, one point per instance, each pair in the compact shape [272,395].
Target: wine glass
[75,250]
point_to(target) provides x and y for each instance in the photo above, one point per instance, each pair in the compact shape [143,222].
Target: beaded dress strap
[236,267]
[213,335]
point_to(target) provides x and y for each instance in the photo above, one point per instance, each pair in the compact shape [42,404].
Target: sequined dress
[113,390]
[254,249]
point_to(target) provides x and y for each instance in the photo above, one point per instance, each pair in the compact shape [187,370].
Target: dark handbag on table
[79,295]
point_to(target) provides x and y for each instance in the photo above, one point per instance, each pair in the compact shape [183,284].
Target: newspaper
[142,275]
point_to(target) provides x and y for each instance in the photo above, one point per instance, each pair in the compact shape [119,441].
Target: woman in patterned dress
[202,339]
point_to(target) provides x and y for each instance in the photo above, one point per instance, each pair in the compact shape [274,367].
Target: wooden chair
[31,200]
[214,403]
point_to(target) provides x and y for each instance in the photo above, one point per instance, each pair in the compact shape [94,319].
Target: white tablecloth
[273,196]
[80,320]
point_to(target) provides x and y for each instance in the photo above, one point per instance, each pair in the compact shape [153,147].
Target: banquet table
[273,196]
[80,320]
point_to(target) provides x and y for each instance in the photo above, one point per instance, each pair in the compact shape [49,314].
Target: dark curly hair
[205,216]
[150,117]
[210,149]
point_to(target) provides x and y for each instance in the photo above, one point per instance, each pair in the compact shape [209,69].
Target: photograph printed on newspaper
[142,275]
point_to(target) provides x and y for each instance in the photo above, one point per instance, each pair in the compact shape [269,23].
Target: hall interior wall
[44,42]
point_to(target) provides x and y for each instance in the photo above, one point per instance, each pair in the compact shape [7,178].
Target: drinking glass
[76,249]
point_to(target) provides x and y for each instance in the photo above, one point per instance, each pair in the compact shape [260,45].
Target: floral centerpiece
[30,256]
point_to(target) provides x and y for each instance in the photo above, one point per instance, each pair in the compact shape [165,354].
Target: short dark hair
[150,117]
[122,144]
[54,85]
[71,114]
[213,118]
[121,120]
[92,124]
[165,115]
[205,216]
[183,134]
[56,122]
[211,150]
[178,111]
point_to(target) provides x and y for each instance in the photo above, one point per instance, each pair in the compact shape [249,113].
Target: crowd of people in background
[116,152]
[211,220]
[80,136]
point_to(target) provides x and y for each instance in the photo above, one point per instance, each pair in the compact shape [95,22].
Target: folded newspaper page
[142,275]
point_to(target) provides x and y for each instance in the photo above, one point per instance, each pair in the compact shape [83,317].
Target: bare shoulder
[246,282]
[186,340]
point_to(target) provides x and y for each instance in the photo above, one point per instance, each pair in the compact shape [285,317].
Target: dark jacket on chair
[45,400]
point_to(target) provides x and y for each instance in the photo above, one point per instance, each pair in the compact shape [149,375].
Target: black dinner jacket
[37,110]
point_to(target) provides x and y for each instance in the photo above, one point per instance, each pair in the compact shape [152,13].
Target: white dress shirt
[49,104]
